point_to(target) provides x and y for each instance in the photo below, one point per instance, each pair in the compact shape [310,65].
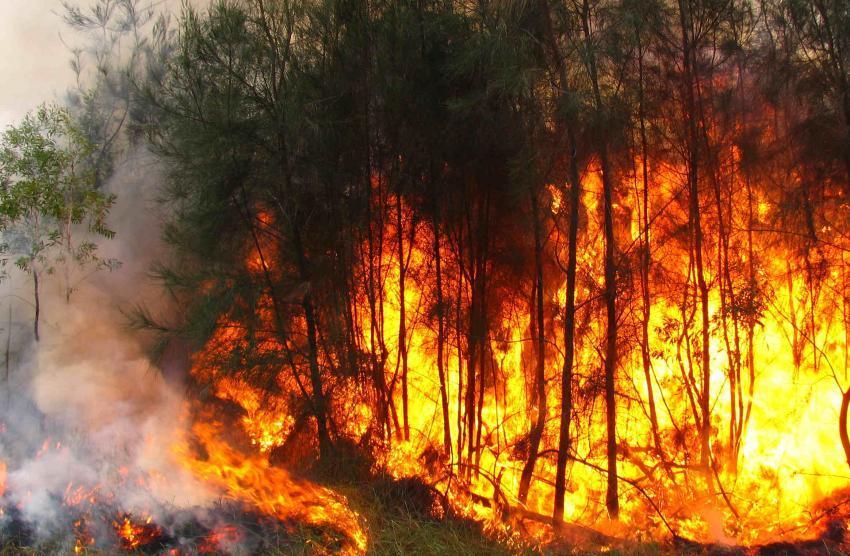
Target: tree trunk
[375,296]
[570,306]
[37,302]
[842,424]
[402,326]
[646,261]
[441,334]
[478,337]
[319,403]
[611,498]
[7,359]
[318,395]
[471,360]
[697,237]
[612,502]
[458,340]
[536,433]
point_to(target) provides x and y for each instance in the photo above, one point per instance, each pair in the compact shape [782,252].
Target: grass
[399,521]
[396,529]
[392,530]
[399,534]
[402,535]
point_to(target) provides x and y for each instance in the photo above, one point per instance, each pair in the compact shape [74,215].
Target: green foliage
[48,191]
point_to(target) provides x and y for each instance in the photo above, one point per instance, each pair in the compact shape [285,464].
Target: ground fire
[432,276]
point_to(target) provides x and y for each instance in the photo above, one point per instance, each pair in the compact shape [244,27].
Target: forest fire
[777,470]
[253,494]
[271,490]
[434,276]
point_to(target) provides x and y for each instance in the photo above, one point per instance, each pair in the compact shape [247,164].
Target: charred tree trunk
[480,327]
[474,341]
[612,502]
[751,361]
[441,333]
[402,326]
[611,497]
[726,287]
[564,441]
[696,234]
[842,424]
[374,292]
[319,403]
[477,216]
[458,340]
[471,382]
[751,320]
[536,433]
[318,395]
[646,258]
[570,306]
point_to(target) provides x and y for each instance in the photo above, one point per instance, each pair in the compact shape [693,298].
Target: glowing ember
[221,538]
[135,535]
[82,537]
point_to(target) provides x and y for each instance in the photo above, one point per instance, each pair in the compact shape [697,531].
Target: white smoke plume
[87,421]
[84,407]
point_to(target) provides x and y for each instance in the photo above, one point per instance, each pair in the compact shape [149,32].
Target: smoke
[88,423]
[91,430]
[84,407]
[34,66]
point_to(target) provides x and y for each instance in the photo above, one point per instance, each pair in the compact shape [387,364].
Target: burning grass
[252,507]
[264,509]
[392,524]
[239,531]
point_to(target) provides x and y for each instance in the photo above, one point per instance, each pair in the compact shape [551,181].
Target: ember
[220,539]
[136,535]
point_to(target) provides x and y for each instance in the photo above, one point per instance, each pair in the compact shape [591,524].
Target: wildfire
[764,476]
[134,535]
[82,537]
[221,538]
[775,468]
[252,480]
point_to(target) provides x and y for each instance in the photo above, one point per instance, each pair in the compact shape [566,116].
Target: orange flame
[135,535]
[252,480]
[787,460]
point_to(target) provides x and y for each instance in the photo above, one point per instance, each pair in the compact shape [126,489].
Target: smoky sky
[35,52]
[34,62]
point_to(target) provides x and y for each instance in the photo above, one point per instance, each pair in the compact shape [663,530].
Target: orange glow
[219,539]
[785,461]
[82,538]
[268,489]
[135,535]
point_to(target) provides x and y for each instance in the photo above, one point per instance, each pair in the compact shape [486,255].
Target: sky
[35,56]
[34,62]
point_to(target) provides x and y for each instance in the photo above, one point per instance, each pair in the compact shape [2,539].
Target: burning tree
[574,262]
